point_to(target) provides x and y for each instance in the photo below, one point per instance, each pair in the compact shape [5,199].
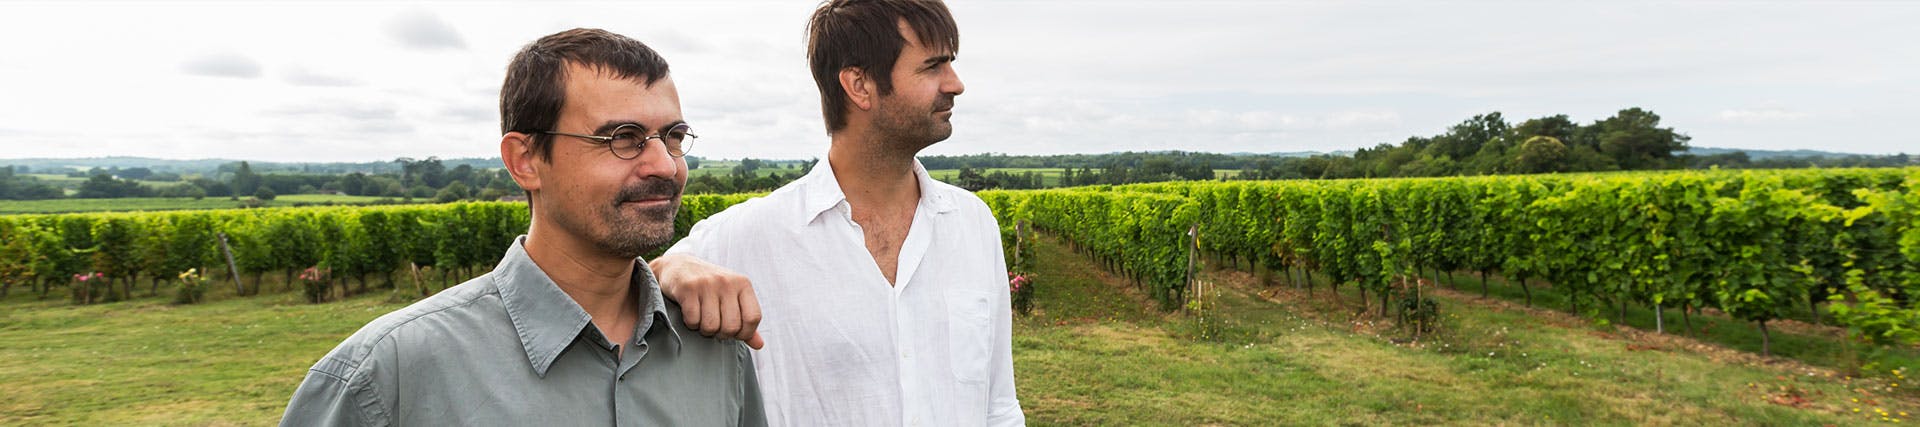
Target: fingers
[756,342]
[730,317]
[709,316]
[749,314]
[690,310]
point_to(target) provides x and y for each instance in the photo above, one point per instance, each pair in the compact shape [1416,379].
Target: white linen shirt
[846,349]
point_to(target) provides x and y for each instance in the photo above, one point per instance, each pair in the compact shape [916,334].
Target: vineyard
[341,245]
[1752,245]
[1733,252]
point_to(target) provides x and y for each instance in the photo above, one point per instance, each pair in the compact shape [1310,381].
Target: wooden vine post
[1193,246]
[238,288]
[1019,240]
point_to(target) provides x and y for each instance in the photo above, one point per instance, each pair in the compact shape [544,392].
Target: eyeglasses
[626,140]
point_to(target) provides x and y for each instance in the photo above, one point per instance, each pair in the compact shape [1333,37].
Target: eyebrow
[939,59]
[610,125]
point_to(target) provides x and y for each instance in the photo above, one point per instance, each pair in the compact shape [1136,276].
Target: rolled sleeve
[1003,406]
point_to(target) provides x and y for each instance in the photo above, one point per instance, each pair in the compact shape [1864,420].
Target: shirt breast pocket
[970,335]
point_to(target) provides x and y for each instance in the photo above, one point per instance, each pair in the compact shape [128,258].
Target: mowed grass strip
[1092,354]
[229,361]
[1288,359]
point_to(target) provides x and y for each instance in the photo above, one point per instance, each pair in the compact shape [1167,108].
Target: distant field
[163,203]
[72,184]
[1048,176]
[724,168]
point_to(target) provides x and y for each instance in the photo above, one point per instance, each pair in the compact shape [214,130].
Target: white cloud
[303,76]
[422,80]
[424,30]
[224,64]
[1763,115]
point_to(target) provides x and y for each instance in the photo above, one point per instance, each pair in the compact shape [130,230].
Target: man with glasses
[570,328]
[883,290]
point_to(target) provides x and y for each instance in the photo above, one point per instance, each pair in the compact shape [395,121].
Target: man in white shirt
[885,290]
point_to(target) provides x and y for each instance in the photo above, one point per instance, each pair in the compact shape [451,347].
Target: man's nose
[654,160]
[952,85]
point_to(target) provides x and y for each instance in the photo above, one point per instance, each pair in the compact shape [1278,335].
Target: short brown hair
[865,34]
[535,89]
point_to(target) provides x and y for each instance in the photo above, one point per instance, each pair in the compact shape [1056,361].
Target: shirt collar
[820,191]
[548,320]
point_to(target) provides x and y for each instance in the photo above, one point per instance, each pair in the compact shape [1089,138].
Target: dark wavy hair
[535,89]
[865,34]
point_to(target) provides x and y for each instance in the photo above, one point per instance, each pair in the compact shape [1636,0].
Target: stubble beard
[631,232]
[909,128]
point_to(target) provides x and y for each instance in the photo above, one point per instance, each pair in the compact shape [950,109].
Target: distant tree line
[414,179]
[750,176]
[1486,144]
[18,186]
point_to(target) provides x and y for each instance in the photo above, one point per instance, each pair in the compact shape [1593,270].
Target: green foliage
[1140,235]
[1753,244]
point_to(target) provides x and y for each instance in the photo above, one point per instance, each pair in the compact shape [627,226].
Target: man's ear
[516,151]
[859,86]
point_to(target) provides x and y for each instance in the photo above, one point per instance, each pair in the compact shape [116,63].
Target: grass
[229,361]
[1815,345]
[1091,354]
[165,203]
[1275,356]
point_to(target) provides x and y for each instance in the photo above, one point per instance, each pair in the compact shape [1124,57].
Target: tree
[454,192]
[103,186]
[244,180]
[213,188]
[1464,139]
[1634,139]
[354,184]
[183,190]
[1541,154]
[136,173]
[264,194]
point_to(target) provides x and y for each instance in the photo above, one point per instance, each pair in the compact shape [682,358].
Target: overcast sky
[309,81]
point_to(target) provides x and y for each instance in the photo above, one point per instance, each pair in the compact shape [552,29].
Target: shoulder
[375,340]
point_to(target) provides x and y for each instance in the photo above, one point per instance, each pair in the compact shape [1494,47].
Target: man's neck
[601,284]
[872,177]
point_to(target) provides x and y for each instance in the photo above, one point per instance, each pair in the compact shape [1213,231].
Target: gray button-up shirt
[510,348]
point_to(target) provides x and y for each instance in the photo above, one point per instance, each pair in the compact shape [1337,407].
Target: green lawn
[164,203]
[1091,354]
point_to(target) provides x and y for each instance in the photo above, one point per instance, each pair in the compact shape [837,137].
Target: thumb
[756,342]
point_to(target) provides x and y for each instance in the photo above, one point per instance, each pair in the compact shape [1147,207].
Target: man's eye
[625,136]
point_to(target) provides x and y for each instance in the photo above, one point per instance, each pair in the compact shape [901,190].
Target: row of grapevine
[355,243]
[1752,244]
[1140,235]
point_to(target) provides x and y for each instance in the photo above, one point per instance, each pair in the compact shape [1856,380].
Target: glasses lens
[678,140]
[627,140]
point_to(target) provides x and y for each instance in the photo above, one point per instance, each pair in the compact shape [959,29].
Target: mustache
[945,103]
[651,188]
